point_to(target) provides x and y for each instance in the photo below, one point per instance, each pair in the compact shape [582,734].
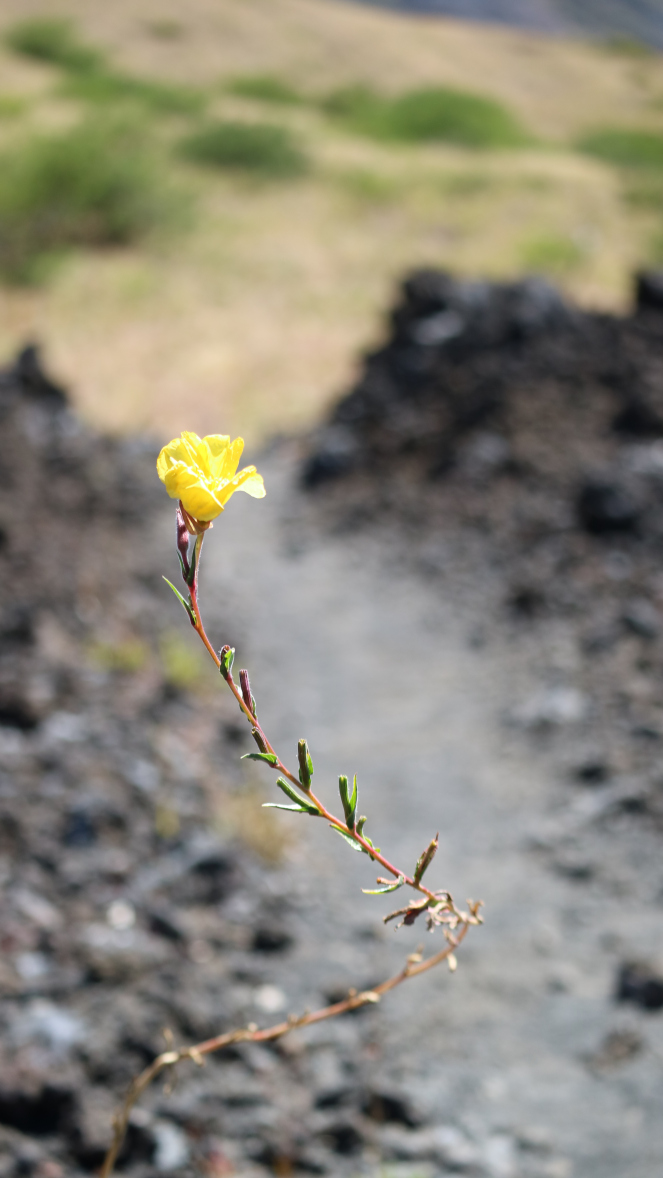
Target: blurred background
[412,253]
[197,213]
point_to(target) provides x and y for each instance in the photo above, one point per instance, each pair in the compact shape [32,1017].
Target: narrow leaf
[361,822]
[424,861]
[353,797]
[349,809]
[294,796]
[351,842]
[192,616]
[268,758]
[295,809]
[376,849]
[389,888]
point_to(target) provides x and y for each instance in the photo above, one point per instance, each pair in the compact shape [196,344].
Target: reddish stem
[280,767]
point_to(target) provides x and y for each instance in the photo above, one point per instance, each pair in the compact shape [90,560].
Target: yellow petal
[232,457]
[200,502]
[254,486]
[173,452]
[201,472]
[247,480]
[216,446]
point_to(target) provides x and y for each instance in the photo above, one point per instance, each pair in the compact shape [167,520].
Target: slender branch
[335,822]
[413,967]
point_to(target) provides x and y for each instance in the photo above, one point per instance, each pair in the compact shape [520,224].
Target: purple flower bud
[246,691]
[182,542]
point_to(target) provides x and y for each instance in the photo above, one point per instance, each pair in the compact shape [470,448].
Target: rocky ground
[462,604]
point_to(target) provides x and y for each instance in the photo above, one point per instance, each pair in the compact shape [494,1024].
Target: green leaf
[376,849]
[269,758]
[388,888]
[296,809]
[361,822]
[355,846]
[294,797]
[192,616]
[349,803]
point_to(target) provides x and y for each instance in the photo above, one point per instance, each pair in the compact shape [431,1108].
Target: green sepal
[361,822]
[192,616]
[294,797]
[268,758]
[355,846]
[305,764]
[388,888]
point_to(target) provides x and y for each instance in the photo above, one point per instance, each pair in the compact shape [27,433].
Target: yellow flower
[200,472]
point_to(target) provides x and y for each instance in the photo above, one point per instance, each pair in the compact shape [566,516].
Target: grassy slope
[251,319]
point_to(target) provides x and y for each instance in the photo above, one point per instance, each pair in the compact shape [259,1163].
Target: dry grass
[251,318]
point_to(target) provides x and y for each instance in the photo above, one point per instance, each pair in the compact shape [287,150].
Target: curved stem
[168,1059]
[337,823]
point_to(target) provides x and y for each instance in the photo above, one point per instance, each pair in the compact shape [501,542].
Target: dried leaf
[392,887]
[426,859]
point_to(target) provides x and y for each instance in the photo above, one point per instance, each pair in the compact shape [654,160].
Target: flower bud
[182,540]
[305,764]
[349,800]
[425,859]
[246,692]
[227,656]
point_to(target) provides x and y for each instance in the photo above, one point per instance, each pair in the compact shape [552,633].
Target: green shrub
[11,106]
[261,148]
[645,190]
[89,78]
[53,40]
[165,29]
[264,88]
[625,46]
[626,147]
[94,185]
[428,115]
[354,104]
[552,254]
[106,86]
[655,250]
[369,187]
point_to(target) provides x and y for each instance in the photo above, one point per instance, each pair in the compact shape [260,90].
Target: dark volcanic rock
[641,983]
[514,445]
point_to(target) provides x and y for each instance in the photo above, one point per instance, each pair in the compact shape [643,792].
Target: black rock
[390,1108]
[27,374]
[642,618]
[641,983]
[606,506]
[335,455]
[649,290]
[271,938]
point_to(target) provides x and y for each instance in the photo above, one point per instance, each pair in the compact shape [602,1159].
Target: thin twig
[439,904]
[169,1059]
[280,767]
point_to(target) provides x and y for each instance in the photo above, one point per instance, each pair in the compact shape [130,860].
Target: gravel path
[524,1054]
